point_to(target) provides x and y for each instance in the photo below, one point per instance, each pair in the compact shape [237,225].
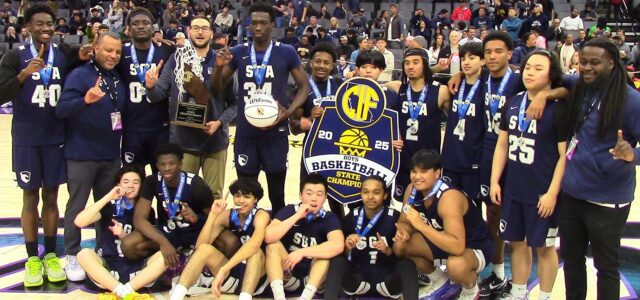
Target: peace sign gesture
[151,77]
[95,93]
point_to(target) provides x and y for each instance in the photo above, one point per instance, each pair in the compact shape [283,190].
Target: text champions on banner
[353,139]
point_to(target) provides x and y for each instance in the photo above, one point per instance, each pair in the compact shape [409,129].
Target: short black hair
[324,47]
[426,72]
[247,186]
[498,35]
[472,48]
[170,148]
[525,37]
[289,29]
[426,160]
[128,168]
[379,179]
[201,18]
[555,70]
[371,57]
[262,6]
[313,178]
[36,9]
[140,11]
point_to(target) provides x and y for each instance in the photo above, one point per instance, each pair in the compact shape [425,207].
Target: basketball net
[186,55]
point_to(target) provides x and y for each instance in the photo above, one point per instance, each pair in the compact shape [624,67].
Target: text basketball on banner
[353,139]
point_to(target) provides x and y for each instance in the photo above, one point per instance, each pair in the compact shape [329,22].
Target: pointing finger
[620,139]
[160,65]
[98,82]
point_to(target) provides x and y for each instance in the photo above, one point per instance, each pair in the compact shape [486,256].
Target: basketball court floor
[13,253]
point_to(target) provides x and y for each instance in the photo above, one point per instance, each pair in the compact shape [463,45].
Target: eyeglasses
[200,28]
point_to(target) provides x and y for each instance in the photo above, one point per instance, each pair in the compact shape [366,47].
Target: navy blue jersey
[139,114]
[34,122]
[307,234]
[243,235]
[313,100]
[462,147]
[283,59]
[492,120]
[533,154]
[110,242]
[385,226]
[476,232]
[428,135]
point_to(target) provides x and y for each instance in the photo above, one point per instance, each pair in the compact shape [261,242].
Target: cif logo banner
[352,139]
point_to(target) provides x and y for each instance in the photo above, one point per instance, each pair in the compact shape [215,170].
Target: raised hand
[35,64]
[351,241]
[622,150]
[188,214]
[151,77]
[218,206]
[303,210]
[95,93]
[117,229]
[223,57]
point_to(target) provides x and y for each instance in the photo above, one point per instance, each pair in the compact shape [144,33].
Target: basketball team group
[546,156]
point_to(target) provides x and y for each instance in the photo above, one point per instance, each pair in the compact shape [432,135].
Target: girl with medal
[115,212]
[243,273]
[442,229]
[533,152]
[462,147]
[368,266]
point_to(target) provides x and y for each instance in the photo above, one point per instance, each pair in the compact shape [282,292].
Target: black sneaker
[492,285]
[423,279]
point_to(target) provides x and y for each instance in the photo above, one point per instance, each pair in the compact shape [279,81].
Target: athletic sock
[437,275]
[498,269]
[518,290]
[178,293]
[32,248]
[544,296]
[245,296]
[277,287]
[472,291]
[308,292]
[122,290]
[50,244]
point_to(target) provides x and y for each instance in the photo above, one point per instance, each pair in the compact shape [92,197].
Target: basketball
[261,110]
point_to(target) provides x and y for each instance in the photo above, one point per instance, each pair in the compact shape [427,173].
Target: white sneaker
[201,287]
[73,270]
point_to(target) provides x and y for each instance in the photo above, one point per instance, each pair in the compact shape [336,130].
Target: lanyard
[523,122]
[463,106]
[316,91]
[434,190]
[45,73]
[142,69]
[260,71]
[363,232]
[112,94]
[414,110]
[493,104]
[172,206]
[587,113]
[235,218]
[122,205]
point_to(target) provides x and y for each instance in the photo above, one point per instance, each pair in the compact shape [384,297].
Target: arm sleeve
[9,83]
[148,188]
[332,223]
[72,99]
[161,90]
[561,116]
[284,213]
[294,58]
[503,114]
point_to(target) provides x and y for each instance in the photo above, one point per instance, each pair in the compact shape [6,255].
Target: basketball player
[368,261]
[183,201]
[422,102]
[443,228]
[533,153]
[264,67]
[111,270]
[31,76]
[241,273]
[301,239]
[146,124]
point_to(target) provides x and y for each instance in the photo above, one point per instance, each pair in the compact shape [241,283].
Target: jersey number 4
[39,98]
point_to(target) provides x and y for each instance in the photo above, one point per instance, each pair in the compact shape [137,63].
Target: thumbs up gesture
[151,77]
[95,93]
[622,150]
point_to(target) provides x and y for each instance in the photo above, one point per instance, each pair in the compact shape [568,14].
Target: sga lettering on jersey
[353,139]
[302,241]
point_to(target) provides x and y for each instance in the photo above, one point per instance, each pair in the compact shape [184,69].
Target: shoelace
[53,264]
[73,263]
[34,267]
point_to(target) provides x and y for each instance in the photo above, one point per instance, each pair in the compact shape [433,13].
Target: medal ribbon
[523,122]
[316,91]
[463,106]
[112,94]
[363,232]
[172,206]
[235,218]
[142,69]
[260,71]
[123,204]
[493,104]
[414,110]
[45,73]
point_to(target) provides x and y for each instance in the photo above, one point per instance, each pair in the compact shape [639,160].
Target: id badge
[572,147]
[116,121]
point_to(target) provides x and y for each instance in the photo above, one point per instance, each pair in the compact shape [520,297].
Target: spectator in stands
[419,42]
[470,36]
[500,12]
[512,24]
[574,64]
[8,9]
[567,51]
[224,3]
[588,14]
[77,24]
[311,38]
[62,28]
[93,31]
[616,5]
[483,33]
[170,13]
[536,19]
[381,46]
[303,47]
[313,25]
[541,41]
[224,20]
[311,11]
[219,41]
[344,48]
[3,17]
[547,9]
[520,52]
[334,29]
[116,17]
[525,8]
[96,14]
[621,34]
[476,12]
[300,9]
[297,28]
[354,5]
[180,38]
[343,66]
[11,36]
[324,12]
[442,20]
[434,50]
[359,21]
[323,36]
[172,30]
[363,45]
[281,9]
[382,20]
[623,48]
[340,12]
[414,23]
[450,54]
[572,22]
[423,30]
[483,19]
[24,36]
[289,37]
[394,32]
[555,32]
[462,26]
[353,38]
[462,12]
[582,38]
[600,29]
